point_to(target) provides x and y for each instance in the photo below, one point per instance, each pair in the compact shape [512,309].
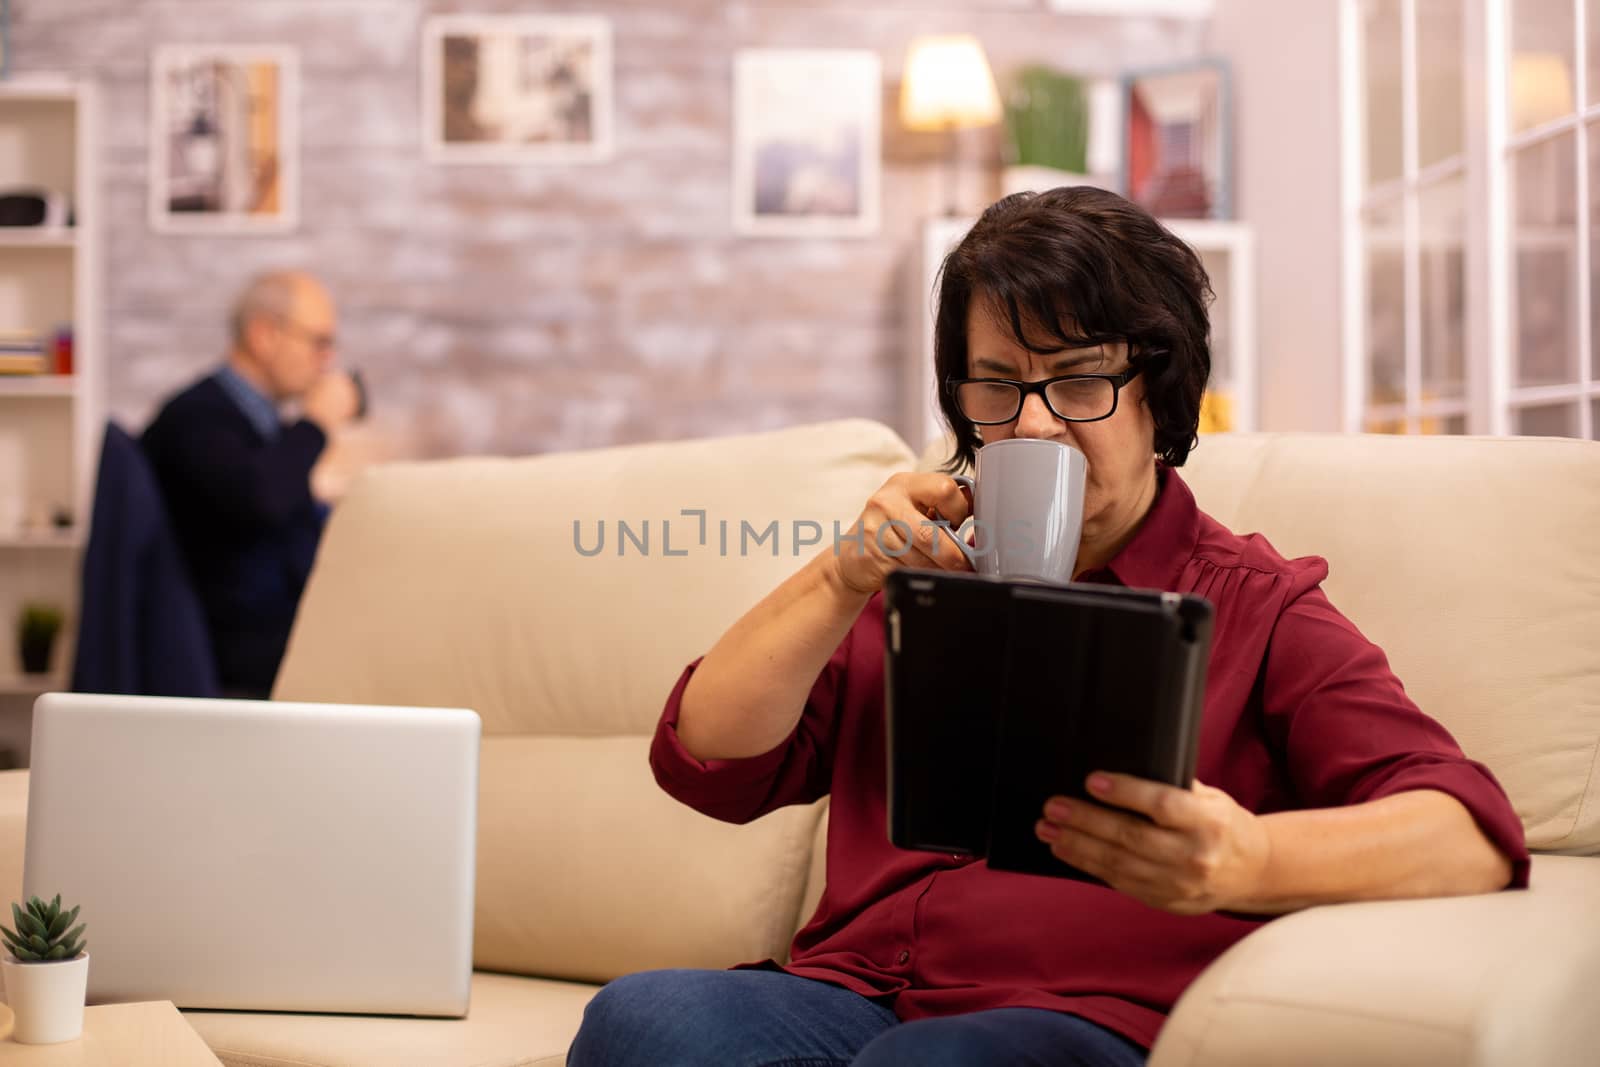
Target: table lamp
[947,87]
[1541,89]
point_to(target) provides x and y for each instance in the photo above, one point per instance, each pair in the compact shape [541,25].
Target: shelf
[1210,235]
[69,539]
[38,237]
[1189,9]
[56,385]
[14,684]
[39,87]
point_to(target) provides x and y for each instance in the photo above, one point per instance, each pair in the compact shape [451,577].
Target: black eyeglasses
[322,342]
[1072,397]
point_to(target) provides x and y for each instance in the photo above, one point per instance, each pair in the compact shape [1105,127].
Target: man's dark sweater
[240,502]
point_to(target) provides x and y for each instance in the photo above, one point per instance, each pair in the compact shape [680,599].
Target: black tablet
[1001,694]
[941,713]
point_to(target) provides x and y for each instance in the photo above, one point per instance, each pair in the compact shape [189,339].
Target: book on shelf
[18,364]
[23,352]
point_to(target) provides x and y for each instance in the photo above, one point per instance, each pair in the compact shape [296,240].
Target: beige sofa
[1473,562]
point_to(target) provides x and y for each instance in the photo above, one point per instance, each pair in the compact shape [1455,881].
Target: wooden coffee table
[151,1034]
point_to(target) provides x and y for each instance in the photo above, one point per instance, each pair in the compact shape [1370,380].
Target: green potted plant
[1047,116]
[46,972]
[36,636]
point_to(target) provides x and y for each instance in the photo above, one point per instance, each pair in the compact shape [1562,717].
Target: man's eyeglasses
[1073,397]
[322,342]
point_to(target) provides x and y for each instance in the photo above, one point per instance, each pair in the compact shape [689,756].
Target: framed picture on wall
[1176,158]
[806,142]
[516,89]
[224,139]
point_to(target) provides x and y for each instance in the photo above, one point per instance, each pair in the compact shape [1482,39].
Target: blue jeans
[687,1018]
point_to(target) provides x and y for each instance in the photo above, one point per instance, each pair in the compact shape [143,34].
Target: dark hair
[1085,267]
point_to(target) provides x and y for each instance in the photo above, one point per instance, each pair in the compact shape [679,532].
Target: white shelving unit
[39,237]
[13,684]
[58,385]
[922,423]
[1190,9]
[1228,252]
[49,425]
[72,538]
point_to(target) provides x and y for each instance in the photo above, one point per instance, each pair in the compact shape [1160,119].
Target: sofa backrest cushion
[817,878]
[587,871]
[465,582]
[1475,564]
[461,583]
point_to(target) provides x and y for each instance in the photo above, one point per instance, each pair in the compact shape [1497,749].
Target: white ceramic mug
[1027,509]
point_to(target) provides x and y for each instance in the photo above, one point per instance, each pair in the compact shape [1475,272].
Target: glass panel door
[1381,79]
[1441,94]
[1541,76]
[1442,208]
[1545,258]
[1386,306]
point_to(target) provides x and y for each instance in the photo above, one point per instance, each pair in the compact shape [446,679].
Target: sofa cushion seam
[246,1059]
[1324,1009]
[1586,800]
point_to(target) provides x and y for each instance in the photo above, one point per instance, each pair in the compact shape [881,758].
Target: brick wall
[526,309]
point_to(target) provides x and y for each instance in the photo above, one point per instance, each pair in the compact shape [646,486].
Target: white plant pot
[46,998]
[1030,178]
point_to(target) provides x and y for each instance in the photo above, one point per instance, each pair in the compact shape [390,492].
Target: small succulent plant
[36,634]
[44,933]
[40,622]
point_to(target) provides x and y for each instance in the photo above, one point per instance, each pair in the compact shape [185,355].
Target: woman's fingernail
[1046,831]
[1056,811]
[1099,783]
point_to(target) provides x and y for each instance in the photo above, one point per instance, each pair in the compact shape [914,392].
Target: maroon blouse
[1301,711]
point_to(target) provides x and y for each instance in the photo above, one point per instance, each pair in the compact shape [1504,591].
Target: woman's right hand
[896,529]
[751,688]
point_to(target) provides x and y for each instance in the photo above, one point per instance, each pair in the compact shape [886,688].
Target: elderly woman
[1318,779]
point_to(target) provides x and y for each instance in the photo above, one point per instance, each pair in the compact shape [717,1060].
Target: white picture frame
[224,139]
[493,117]
[807,142]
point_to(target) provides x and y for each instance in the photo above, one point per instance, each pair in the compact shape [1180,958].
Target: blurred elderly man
[235,474]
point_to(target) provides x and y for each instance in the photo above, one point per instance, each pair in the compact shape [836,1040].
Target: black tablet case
[1001,694]
[941,717]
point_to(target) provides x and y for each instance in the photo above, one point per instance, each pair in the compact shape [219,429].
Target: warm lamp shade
[947,84]
[1541,89]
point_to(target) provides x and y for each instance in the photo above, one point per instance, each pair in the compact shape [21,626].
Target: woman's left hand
[1199,852]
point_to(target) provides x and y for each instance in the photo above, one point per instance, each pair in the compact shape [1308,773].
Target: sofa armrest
[13,827]
[1502,978]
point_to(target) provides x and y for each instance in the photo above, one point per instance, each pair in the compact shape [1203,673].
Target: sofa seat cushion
[513,1022]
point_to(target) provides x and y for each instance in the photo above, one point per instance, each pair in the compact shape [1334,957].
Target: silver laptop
[260,855]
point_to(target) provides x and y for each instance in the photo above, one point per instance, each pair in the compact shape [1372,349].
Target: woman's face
[1120,450]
